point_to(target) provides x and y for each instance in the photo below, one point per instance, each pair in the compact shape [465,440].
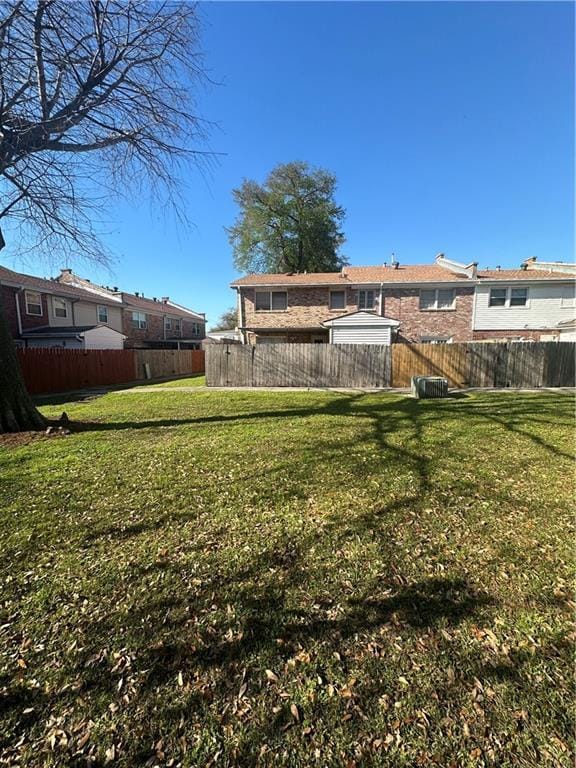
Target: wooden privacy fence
[59,370]
[521,365]
[298,365]
[168,362]
[525,365]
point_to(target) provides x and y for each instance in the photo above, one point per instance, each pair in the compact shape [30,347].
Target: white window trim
[139,326]
[98,308]
[366,290]
[270,292]
[336,290]
[508,289]
[36,303]
[436,308]
[65,308]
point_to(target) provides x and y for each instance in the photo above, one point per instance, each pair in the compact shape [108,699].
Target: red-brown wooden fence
[61,370]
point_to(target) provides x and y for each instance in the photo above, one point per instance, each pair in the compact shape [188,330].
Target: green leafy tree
[227,321]
[291,223]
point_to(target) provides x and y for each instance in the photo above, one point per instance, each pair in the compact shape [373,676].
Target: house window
[437,298]
[102,314]
[497,297]
[567,298]
[518,297]
[139,320]
[33,303]
[168,323]
[60,307]
[271,301]
[196,329]
[365,299]
[436,340]
[508,297]
[338,299]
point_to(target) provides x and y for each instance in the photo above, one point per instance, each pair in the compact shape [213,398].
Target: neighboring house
[227,337]
[45,313]
[437,303]
[149,322]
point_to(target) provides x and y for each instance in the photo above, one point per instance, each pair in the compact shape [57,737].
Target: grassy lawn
[197,380]
[298,579]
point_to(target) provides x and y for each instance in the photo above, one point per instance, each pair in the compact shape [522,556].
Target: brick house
[436,303]
[44,313]
[149,322]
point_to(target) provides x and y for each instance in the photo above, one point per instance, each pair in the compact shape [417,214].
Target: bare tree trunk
[17,411]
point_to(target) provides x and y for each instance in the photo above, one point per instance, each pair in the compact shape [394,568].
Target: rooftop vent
[165,299]
[136,293]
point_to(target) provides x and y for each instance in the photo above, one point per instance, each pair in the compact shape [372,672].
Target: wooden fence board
[477,364]
[299,365]
[61,370]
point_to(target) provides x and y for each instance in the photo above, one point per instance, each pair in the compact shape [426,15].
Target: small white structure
[75,337]
[361,327]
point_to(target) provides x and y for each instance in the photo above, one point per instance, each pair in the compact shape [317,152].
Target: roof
[41,285]
[163,307]
[65,330]
[410,273]
[361,317]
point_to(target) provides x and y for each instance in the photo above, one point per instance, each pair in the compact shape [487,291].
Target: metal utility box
[429,386]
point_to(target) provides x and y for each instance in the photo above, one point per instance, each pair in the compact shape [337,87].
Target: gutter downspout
[18,315]
[240,315]
[381,300]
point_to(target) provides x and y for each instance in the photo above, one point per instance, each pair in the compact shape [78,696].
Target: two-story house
[45,313]
[149,322]
[437,303]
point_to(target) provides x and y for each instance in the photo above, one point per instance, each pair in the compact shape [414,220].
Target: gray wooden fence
[521,365]
[299,365]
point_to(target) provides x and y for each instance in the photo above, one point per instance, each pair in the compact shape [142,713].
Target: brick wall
[28,321]
[154,330]
[308,307]
[9,309]
[403,304]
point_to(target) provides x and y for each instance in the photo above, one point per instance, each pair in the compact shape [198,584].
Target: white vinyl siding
[361,334]
[33,303]
[103,338]
[545,307]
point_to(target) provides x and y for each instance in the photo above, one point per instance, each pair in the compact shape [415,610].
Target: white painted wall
[548,304]
[85,314]
[103,338]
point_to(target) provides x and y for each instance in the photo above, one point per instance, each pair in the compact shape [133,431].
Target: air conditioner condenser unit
[429,386]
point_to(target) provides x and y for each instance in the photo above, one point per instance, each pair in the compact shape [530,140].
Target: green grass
[198,380]
[294,579]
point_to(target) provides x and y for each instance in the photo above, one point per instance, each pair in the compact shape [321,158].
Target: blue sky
[449,126]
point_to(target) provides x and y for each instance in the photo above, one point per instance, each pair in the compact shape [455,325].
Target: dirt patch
[18,439]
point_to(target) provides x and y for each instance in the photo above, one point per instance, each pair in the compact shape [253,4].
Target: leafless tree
[96,98]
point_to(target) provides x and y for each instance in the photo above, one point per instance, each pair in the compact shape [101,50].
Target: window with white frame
[437,298]
[102,313]
[60,307]
[366,299]
[33,303]
[139,320]
[173,324]
[196,329]
[508,297]
[338,299]
[271,301]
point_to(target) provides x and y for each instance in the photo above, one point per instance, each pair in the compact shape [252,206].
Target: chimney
[343,272]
